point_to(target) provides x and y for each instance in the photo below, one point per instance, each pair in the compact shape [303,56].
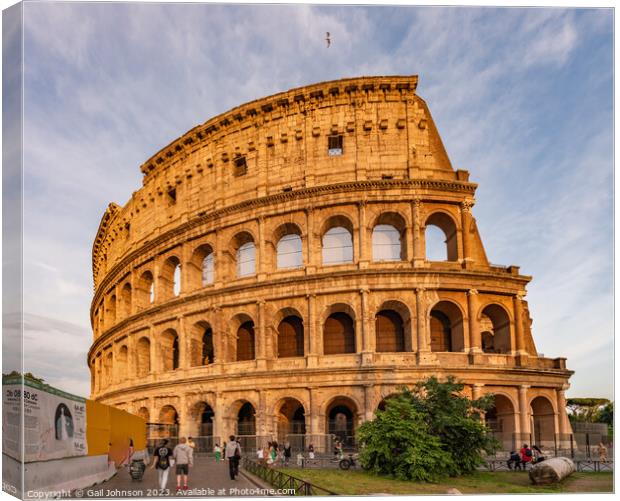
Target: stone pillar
[466,206]
[263,345]
[157,295]
[312,256]
[262,250]
[418,235]
[363,255]
[476,393]
[524,411]
[564,426]
[220,339]
[131,357]
[185,343]
[154,365]
[312,336]
[475,342]
[184,417]
[518,316]
[218,418]
[369,410]
[423,342]
[368,342]
[219,265]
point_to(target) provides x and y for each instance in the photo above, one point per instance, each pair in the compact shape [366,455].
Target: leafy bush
[426,433]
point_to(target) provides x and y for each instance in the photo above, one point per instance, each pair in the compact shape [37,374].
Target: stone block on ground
[551,471]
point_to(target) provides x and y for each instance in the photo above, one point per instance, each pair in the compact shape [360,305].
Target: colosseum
[272,278]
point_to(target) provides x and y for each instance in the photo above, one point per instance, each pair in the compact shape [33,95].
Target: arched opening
[291,418]
[244,250]
[289,250]
[338,334]
[446,327]
[107,370]
[495,327]
[246,420]
[145,290]
[170,278]
[341,418]
[169,350]
[126,299]
[442,245]
[167,427]
[390,332]
[337,241]
[291,337]
[388,238]
[543,422]
[245,341]
[382,405]
[500,420]
[144,357]
[120,370]
[110,313]
[144,413]
[208,351]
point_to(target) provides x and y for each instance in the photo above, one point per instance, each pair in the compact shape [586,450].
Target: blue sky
[521,97]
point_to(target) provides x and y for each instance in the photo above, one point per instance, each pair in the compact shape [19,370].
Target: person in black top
[161,461]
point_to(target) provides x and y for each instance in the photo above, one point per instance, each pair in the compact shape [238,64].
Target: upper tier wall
[279,143]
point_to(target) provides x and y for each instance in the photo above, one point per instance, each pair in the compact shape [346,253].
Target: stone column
[518,316]
[476,393]
[263,346]
[154,365]
[465,207]
[184,417]
[312,335]
[131,356]
[220,338]
[363,256]
[368,339]
[423,344]
[418,236]
[312,256]
[369,410]
[184,344]
[218,418]
[262,251]
[564,426]
[157,295]
[524,411]
[219,265]
[475,342]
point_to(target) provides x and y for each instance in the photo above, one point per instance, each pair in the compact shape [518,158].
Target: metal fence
[281,480]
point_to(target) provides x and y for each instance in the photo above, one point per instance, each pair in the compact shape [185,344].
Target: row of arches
[340,419]
[388,243]
[393,333]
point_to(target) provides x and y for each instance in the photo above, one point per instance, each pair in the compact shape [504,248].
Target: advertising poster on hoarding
[54,421]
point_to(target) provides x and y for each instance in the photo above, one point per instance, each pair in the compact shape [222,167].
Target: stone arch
[120,369]
[201,267]
[202,345]
[388,236]
[339,330]
[145,290]
[110,313]
[243,340]
[446,223]
[446,327]
[144,413]
[291,419]
[501,419]
[243,249]
[203,416]
[543,417]
[143,352]
[337,241]
[290,334]
[495,322]
[289,248]
[126,298]
[108,368]
[381,405]
[169,350]
[170,278]
[342,413]
[393,330]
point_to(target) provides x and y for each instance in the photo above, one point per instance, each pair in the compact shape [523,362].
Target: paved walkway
[206,478]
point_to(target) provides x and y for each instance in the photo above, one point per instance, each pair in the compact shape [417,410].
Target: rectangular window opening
[172,196]
[334,145]
[241,166]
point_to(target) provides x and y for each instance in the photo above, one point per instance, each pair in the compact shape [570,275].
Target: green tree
[397,443]
[427,433]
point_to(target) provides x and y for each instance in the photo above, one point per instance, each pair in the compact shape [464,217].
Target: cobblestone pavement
[206,478]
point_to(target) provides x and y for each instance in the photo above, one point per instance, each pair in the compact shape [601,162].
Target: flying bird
[328,39]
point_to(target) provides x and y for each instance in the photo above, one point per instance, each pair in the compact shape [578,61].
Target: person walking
[311,451]
[217,450]
[161,461]
[287,453]
[233,455]
[183,456]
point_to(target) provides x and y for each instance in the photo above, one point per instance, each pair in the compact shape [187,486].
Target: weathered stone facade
[275,256]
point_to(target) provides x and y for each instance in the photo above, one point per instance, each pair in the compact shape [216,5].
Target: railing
[284,481]
[591,465]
